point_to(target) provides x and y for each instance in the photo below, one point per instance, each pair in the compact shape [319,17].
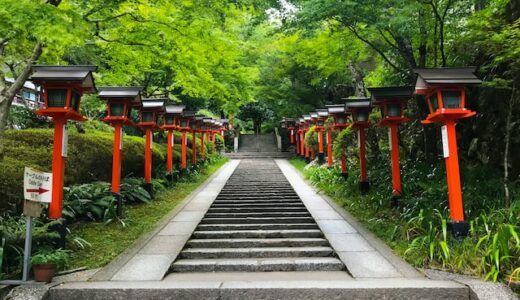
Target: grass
[109,240]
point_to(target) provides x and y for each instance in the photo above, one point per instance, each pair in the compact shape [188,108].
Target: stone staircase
[257,224]
[258,146]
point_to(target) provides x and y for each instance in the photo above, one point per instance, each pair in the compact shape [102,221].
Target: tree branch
[20,80]
[375,48]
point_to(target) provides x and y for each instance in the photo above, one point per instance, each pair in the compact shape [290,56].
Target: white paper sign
[65,141]
[445,145]
[390,138]
[121,138]
[37,186]
[359,138]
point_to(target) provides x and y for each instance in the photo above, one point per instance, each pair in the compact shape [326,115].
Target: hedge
[89,158]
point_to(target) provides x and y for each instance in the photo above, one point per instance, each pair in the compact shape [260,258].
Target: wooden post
[116,158]
[363,181]
[396,172]
[329,147]
[58,168]
[202,147]
[452,172]
[148,157]
[193,148]
[169,152]
[183,149]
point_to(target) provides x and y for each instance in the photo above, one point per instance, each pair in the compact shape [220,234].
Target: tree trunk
[7,92]
[509,128]
[357,80]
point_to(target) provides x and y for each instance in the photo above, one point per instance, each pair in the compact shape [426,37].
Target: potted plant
[46,262]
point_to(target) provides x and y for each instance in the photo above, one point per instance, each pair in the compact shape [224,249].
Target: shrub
[89,159]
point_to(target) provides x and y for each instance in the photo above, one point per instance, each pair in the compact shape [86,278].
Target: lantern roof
[200,118]
[156,104]
[322,112]
[207,120]
[81,74]
[357,103]
[336,108]
[307,117]
[188,114]
[314,114]
[391,93]
[438,76]
[301,120]
[174,109]
[121,93]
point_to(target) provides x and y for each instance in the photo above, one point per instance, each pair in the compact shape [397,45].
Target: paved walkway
[210,268]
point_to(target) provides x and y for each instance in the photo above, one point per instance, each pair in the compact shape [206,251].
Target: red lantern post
[392,102]
[307,119]
[171,114]
[360,109]
[150,111]
[62,88]
[184,126]
[323,114]
[444,90]
[339,113]
[120,101]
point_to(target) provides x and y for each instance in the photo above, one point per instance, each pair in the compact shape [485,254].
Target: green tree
[257,112]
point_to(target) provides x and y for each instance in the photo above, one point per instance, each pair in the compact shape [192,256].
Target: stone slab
[368,264]
[188,216]
[145,267]
[348,242]
[165,244]
[179,228]
[335,226]
[263,289]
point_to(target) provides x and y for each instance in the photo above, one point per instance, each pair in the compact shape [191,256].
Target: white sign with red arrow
[37,186]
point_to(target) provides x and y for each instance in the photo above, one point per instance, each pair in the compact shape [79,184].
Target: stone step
[208,227]
[231,209]
[258,265]
[256,214]
[264,234]
[257,220]
[233,201]
[258,205]
[198,253]
[254,243]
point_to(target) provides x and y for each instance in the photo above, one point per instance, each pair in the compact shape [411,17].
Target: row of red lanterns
[444,91]
[62,89]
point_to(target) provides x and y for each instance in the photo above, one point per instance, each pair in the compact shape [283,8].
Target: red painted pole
[453,174]
[148,157]
[362,155]
[212,142]
[320,142]
[58,169]
[344,171]
[297,148]
[313,154]
[302,143]
[116,158]
[292,136]
[396,172]
[169,153]
[194,148]
[183,150]
[329,147]
[202,146]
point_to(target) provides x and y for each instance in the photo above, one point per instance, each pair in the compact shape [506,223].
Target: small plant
[46,262]
[58,257]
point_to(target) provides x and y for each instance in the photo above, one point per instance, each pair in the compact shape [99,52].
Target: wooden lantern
[444,90]
[62,88]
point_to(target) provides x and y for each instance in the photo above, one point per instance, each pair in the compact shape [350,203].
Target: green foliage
[257,112]
[311,138]
[45,256]
[342,142]
[418,230]
[22,117]
[93,201]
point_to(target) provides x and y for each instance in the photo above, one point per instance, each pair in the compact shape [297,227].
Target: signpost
[37,187]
